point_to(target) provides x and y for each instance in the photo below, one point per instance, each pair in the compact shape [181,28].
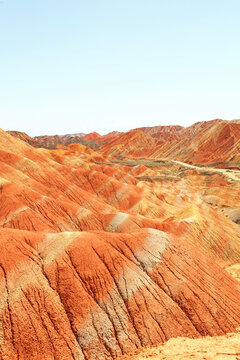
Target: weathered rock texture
[203,142]
[96,295]
[96,263]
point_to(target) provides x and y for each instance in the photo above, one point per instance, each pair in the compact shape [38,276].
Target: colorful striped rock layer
[99,258]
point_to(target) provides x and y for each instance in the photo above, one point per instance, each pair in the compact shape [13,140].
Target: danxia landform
[121,245]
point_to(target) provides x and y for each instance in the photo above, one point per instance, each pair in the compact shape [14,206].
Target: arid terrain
[207,348]
[123,245]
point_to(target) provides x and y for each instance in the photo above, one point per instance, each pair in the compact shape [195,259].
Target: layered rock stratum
[106,252]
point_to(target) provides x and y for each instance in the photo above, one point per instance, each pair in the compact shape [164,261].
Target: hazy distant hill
[51,142]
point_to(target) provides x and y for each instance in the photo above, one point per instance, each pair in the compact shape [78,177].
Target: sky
[102,65]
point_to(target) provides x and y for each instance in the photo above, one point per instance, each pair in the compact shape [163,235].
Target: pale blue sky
[102,65]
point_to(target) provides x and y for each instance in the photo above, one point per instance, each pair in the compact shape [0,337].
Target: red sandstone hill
[52,142]
[110,136]
[203,142]
[96,263]
[92,136]
[199,126]
[216,141]
[94,295]
[25,137]
[180,131]
[164,133]
[92,140]
[133,143]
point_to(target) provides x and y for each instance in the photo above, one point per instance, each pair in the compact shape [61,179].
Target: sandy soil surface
[208,348]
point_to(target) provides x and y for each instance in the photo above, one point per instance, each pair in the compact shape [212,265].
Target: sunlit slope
[134,143]
[97,295]
[217,142]
[96,262]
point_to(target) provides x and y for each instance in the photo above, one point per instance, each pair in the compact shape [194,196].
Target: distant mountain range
[202,142]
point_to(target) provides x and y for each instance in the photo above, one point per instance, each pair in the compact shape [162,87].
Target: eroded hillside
[102,255]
